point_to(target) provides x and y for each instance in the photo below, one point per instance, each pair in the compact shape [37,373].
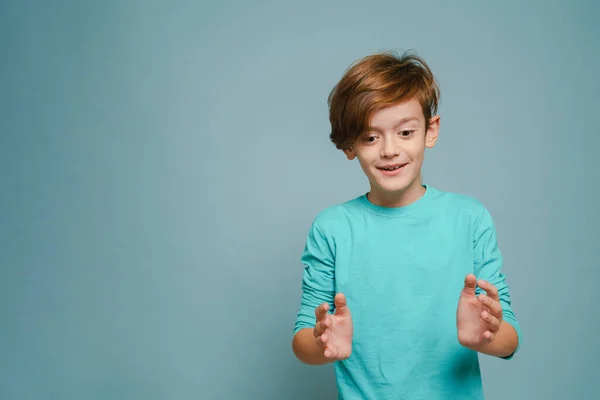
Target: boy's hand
[478,318]
[333,332]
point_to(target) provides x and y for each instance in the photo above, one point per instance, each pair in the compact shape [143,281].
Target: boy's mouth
[391,167]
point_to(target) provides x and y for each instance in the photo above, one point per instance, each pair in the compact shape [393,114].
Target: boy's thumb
[341,308]
[470,284]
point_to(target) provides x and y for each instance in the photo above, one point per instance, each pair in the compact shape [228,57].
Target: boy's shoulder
[334,214]
[470,207]
[458,201]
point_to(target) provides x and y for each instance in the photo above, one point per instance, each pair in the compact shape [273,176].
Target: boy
[402,286]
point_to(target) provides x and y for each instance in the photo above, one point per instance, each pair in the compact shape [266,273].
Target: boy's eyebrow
[400,122]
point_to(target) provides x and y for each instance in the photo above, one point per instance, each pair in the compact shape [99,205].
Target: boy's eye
[405,133]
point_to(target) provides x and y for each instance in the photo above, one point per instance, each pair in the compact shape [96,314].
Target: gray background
[161,163]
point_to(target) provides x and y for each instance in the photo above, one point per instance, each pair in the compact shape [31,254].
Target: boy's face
[391,152]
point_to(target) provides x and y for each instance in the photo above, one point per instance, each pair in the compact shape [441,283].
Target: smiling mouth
[391,167]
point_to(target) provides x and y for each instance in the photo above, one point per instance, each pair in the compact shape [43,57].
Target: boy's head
[383,113]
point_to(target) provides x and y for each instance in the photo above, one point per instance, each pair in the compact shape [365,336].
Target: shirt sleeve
[488,266]
[318,279]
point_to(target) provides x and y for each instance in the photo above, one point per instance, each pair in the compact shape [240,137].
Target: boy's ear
[433,131]
[350,154]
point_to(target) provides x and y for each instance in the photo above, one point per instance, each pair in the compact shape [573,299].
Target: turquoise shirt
[402,271]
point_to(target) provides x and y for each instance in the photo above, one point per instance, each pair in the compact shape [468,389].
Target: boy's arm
[318,287]
[307,349]
[488,266]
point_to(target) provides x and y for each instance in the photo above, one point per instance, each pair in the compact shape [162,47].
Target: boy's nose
[389,149]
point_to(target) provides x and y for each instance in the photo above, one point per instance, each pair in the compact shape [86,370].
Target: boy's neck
[397,199]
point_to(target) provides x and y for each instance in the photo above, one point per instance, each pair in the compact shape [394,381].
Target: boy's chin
[391,188]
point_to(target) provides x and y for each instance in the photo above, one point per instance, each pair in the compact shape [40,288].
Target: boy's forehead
[397,114]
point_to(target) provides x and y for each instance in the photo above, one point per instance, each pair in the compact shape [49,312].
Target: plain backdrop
[161,163]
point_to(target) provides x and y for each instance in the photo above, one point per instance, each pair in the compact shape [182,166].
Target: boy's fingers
[488,336]
[319,329]
[493,322]
[490,289]
[494,306]
[321,311]
[323,338]
[328,352]
[322,325]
